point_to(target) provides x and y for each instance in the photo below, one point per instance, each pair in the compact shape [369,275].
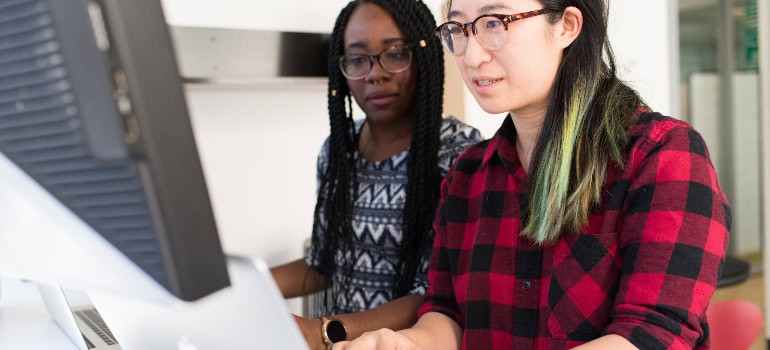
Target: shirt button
[527,284]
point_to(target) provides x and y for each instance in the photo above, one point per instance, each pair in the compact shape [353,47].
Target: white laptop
[250,314]
[82,324]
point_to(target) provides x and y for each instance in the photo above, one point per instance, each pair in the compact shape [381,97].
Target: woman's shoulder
[653,133]
[456,137]
[324,150]
[654,124]
[655,127]
[454,131]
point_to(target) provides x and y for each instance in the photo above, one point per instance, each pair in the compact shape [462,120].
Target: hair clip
[334,93]
[423,43]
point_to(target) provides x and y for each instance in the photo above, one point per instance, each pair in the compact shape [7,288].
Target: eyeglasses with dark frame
[489,29]
[393,59]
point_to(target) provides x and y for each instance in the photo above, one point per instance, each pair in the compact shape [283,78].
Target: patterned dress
[377,222]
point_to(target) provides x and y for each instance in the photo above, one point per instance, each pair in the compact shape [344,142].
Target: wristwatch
[332,331]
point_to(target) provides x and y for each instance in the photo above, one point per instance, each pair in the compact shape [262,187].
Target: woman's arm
[433,331]
[397,314]
[673,240]
[608,342]
[297,278]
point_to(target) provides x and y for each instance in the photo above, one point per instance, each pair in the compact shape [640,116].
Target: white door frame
[763,9]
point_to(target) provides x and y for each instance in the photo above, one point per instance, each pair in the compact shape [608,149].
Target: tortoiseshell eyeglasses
[489,30]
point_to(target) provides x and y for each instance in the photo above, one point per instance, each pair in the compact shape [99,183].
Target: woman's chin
[493,108]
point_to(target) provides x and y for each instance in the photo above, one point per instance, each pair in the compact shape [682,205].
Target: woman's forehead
[474,8]
[369,24]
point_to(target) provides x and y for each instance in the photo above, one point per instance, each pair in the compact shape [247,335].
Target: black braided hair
[339,186]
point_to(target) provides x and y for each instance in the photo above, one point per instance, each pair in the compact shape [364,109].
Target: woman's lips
[381,99]
[484,84]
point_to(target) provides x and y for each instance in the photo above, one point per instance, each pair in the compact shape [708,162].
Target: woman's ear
[569,26]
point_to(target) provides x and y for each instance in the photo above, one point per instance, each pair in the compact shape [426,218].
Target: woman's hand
[385,339]
[311,330]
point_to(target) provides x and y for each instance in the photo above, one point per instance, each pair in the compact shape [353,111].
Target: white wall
[644,35]
[258,146]
[300,15]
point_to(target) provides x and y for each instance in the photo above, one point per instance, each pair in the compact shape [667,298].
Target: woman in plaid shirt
[586,221]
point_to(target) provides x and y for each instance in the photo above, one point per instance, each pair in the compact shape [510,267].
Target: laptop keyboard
[89,344]
[94,321]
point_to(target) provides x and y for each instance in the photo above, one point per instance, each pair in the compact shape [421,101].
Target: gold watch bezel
[325,335]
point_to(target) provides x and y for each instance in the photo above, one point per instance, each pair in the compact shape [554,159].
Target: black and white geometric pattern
[377,221]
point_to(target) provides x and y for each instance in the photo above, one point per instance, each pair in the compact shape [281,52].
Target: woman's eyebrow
[356,45]
[393,41]
[483,10]
[362,45]
[496,6]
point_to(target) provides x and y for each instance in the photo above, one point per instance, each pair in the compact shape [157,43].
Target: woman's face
[385,97]
[518,76]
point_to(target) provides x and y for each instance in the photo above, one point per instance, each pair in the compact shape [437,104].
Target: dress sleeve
[421,284]
[456,137]
[314,253]
[673,239]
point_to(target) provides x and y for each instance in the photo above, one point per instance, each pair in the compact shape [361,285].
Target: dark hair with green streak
[585,129]
[339,186]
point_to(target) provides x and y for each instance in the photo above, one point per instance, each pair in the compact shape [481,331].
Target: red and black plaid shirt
[644,267]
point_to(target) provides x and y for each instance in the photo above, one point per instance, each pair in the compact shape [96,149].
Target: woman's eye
[396,55]
[494,24]
[356,60]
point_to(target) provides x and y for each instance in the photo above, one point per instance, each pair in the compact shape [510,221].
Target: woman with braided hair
[378,176]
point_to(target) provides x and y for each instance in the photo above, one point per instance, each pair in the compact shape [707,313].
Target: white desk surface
[24,320]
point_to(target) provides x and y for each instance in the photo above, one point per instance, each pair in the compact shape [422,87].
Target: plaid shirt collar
[502,147]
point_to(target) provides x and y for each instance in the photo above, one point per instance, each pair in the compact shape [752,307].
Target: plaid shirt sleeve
[673,240]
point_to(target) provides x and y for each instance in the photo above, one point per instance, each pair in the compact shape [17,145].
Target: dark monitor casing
[92,108]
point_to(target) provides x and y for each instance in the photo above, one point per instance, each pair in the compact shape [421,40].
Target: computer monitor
[101,186]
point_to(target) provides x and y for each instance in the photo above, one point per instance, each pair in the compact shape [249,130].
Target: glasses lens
[491,32]
[355,66]
[396,59]
[452,37]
